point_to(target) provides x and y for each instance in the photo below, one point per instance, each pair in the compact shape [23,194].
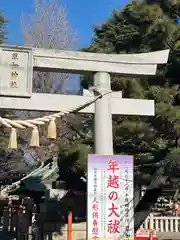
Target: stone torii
[16,71]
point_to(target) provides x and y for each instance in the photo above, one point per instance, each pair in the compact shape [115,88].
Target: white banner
[110,197]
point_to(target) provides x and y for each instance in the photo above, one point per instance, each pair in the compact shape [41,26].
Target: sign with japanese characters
[15,72]
[110,197]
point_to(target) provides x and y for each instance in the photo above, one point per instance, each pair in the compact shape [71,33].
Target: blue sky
[82,14]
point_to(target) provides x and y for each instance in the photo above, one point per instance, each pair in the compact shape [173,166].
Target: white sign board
[16,72]
[110,197]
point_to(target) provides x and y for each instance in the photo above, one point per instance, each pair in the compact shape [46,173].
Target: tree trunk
[143,209]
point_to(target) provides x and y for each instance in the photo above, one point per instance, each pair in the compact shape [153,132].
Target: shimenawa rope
[15,125]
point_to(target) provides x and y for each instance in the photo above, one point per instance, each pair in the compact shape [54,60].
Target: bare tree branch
[47,27]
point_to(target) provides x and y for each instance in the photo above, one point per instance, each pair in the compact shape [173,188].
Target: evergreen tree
[145,26]
[3,138]
[2,28]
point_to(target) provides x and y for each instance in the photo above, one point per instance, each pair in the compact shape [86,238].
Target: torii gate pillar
[103,133]
[18,63]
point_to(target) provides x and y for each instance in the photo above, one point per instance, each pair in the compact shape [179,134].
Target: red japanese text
[113,184]
[95,218]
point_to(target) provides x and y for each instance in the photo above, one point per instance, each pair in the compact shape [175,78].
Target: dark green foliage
[146,26]
[2,28]
[3,138]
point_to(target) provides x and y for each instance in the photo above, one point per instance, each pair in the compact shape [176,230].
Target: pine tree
[2,28]
[144,26]
[3,138]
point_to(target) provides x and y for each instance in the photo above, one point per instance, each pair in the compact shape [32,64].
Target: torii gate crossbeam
[16,70]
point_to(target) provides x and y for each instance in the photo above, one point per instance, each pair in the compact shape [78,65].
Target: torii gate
[16,70]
